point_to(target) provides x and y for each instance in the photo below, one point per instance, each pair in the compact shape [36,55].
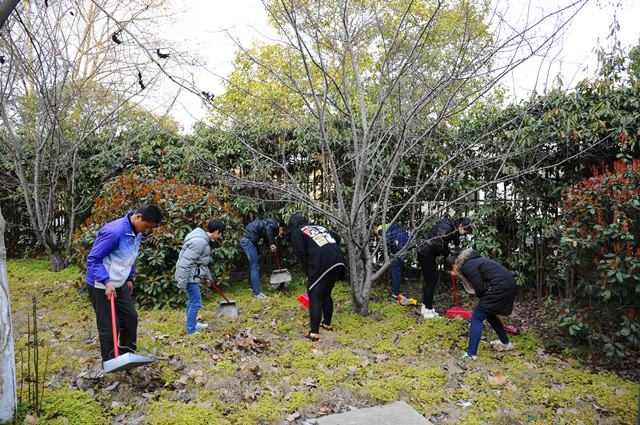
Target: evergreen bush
[596,254]
[184,207]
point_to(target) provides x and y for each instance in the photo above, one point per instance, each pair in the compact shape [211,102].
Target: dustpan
[457,311]
[280,276]
[228,308]
[126,361]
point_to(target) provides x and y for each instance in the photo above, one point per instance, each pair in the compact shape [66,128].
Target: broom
[457,311]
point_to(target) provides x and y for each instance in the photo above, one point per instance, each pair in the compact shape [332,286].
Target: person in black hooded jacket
[437,242]
[496,288]
[318,250]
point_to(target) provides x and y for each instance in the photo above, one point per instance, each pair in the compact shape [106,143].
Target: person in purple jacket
[110,271]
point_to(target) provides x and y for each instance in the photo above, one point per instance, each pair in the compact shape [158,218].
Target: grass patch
[257,368]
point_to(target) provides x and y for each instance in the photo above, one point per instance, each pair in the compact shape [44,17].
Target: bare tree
[374,84]
[68,74]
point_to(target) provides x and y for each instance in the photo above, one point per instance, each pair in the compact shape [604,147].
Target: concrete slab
[394,413]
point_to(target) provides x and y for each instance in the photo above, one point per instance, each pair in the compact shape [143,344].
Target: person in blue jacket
[110,271]
[192,268]
[254,236]
[496,288]
[397,239]
[318,250]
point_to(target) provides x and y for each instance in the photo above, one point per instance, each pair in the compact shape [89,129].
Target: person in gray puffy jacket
[192,268]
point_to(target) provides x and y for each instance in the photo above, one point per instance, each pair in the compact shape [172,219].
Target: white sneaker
[429,313]
[261,296]
[466,356]
[501,345]
[201,325]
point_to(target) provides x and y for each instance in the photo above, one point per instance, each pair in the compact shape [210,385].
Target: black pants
[427,263]
[126,320]
[320,301]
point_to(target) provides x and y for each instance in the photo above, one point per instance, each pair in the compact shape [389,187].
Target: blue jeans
[475,333]
[254,266]
[193,306]
[396,274]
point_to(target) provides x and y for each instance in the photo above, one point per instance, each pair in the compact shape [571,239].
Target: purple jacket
[113,255]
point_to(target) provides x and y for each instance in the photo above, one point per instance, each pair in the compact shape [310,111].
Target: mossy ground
[257,369]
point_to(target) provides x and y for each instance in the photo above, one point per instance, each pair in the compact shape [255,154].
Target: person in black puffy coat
[437,242]
[318,250]
[494,285]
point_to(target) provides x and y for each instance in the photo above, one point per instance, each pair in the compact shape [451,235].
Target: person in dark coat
[494,285]
[254,236]
[397,239]
[437,242]
[318,250]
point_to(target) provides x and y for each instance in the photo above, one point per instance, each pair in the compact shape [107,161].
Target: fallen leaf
[498,379]
[292,417]
[308,382]
[196,376]
[255,369]
[382,358]
[31,419]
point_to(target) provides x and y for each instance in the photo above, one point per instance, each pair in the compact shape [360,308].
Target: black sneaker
[327,327]
[311,338]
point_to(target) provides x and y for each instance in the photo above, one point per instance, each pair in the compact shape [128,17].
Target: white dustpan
[126,361]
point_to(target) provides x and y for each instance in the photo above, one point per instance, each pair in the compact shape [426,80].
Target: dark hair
[214,225]
[466,224]
[449,262]
[150,214]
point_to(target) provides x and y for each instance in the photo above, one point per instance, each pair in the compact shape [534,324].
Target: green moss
[71,407]
[165,412]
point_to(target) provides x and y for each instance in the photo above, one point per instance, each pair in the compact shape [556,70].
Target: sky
[204,26]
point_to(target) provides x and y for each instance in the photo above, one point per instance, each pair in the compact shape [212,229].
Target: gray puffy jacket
[192,265]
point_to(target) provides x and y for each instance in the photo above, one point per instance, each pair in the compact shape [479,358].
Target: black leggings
[429,272]
[320,301]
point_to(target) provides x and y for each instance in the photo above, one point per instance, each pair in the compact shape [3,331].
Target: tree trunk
[6,7]
[8,394]
[57,262]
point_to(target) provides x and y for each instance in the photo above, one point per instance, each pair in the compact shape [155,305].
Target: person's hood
[197,233]
[295,221]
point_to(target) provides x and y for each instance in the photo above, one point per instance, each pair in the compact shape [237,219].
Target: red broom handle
[277,262]
[113,326]
[216,288]
[455,293]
